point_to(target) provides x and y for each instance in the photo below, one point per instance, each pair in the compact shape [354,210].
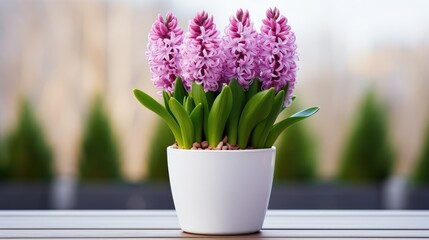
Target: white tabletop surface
[125,224]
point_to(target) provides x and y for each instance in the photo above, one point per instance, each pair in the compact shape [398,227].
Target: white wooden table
[114,224]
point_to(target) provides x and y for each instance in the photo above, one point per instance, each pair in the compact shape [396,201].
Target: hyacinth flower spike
[277,64]
[278,67]
[277,54]
[202,55]
[241,50]
[163,54]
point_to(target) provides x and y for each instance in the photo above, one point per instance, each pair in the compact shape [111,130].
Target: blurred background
[73,136]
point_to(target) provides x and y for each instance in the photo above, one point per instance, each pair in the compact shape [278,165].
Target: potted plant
[26,161]
[222,96]
[368,158]
[418,192]
[99,164]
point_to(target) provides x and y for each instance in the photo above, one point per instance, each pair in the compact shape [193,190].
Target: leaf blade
[179,90]
[255,111]
[185,123]
[260,134]
[218,116]
[158,109]
[199,96]
[166,97]
[197,120]
[279,127]
[253,89]
[238,102]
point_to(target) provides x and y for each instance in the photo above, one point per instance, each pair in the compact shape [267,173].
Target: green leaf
[238,100]
[197,120]
[185,123]
[210,98]
[218,116]
[166,96]
[179,90]
[185,101]
[157,108]
[254,88]
[189,105]
[260,134]
[279,127]
[199,96]
[255,111]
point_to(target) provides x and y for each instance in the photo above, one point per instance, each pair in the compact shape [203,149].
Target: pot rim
[273,148]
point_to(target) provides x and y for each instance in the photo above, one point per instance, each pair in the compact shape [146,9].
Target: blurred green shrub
[157,157]
[368,155]
[296,153]
[3,163]
[25,154]
[421,172]
[99,154]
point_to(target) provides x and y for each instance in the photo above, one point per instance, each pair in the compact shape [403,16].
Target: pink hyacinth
[277,54]
[163,52]
[241,50]
[202,55]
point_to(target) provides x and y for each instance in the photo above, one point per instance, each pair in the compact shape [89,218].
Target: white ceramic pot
[221,192]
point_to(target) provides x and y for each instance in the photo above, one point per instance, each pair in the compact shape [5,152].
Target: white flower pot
[221,192]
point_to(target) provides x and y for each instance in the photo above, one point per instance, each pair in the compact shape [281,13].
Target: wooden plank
[87,213]
[389,213]
[216,237]
[172,212]
[406,220]
[349,219]
[135,233]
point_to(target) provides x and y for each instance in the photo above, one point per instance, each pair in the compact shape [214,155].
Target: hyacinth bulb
[277,54]
[163,54]
[241,50]
[202,55]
